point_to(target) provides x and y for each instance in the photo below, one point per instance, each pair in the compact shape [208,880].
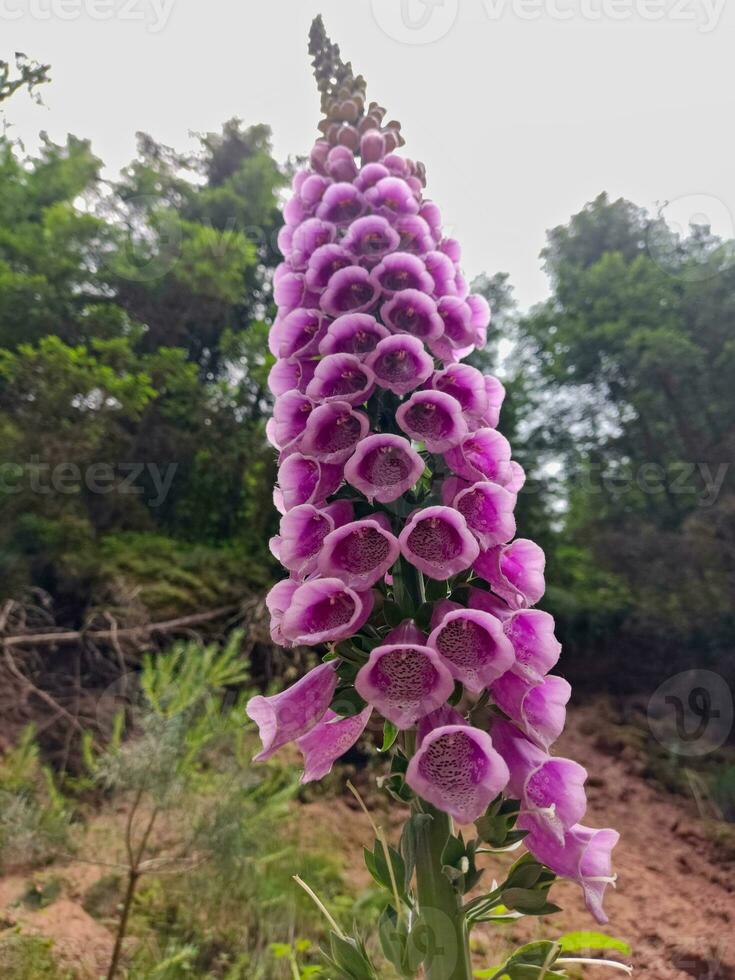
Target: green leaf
[378,867]
[577,942]
[530,962]
[454,850]
[436,590]
[395,943]
[390,734]
[349,955]
[526,900]
[412,827]
[393,614]
[397,787]
[537,953]
[347,702]
[456,696]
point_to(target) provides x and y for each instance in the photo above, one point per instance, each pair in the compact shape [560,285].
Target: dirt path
[675,898]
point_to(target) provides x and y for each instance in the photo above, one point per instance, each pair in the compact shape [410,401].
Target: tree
[133,366]
[636,361]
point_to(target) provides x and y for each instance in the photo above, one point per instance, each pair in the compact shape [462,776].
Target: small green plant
[201,870]
[28,958]
[162,771]
[293,953]
[34,815]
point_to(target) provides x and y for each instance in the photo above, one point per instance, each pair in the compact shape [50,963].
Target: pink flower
[371,237]
[488,509]
[482,455]
[332,432]
[464,383]
[437,541]
[473,646]
[402,270]
[515,571]
[349,290]
[404,681]
[391,197]
[353,333]
[537,650]
[358,553]
[414,233]
[290,414]
[277,602]
[341,204]
[324,610]
[285,375]
[400,363]
[306,481]
[372,145]
[324,262]
[302,532]
[341,377]
[539,710]
[308,237]
[433,418]
[457,769]
[329,739]
[340,163]
[584,856]
[411,311]
[383,467]
[284,717]
[495,397]
[550,790]
[369,176]
[297,335]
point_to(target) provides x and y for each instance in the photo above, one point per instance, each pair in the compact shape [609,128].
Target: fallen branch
[44,696]
[132,632]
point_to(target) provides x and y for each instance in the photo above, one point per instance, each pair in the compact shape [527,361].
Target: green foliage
[293,953]
[34,816]
[30,74]
[581,942]
[211,838]
[28,958]
[530,962]
[625,377]
[133,368]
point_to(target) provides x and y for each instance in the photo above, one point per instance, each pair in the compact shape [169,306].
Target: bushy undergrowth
[34,815]
[29,958]
[173,804]
[169,576]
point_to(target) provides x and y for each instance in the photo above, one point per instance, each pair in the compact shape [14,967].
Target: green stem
[440,906]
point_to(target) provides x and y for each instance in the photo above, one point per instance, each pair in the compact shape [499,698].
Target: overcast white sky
[522,110]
